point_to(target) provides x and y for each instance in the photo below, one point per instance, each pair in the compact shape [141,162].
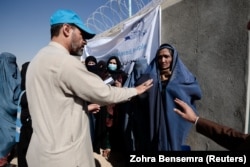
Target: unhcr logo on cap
[68,16]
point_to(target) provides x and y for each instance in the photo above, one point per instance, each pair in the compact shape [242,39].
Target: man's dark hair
[55,29]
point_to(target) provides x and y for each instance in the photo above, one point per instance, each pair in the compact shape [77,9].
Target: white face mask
[112,67]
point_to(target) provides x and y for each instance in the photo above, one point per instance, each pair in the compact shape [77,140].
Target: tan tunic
[58,86]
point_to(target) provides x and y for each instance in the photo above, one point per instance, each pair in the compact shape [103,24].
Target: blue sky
[24,24]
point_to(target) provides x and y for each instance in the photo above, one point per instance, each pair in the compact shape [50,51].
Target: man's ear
[66,30]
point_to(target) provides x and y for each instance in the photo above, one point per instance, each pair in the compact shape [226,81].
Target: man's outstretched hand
[144,86]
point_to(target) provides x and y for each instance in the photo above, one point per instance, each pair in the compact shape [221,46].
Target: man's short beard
[76,52]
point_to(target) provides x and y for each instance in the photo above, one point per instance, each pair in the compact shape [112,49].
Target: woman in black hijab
[91,64]
[26,128]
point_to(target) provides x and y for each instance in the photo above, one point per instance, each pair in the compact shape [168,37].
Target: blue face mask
[112,67]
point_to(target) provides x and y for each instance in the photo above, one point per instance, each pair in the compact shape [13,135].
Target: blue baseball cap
[68,16]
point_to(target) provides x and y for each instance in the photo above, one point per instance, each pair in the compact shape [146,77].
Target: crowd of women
[145,123]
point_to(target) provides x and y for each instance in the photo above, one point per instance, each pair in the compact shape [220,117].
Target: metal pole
[248,84]
[130,8]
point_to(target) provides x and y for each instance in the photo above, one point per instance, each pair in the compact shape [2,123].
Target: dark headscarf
[102,69]
[10,80]
[165,130]
[91,68]
[23,74]
[90,58]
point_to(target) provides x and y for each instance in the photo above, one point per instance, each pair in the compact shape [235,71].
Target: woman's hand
[94,108]
[118,84]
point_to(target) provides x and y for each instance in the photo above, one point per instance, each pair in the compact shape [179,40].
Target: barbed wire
[115,11]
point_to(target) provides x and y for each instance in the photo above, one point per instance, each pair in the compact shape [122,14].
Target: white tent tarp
[138,37]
